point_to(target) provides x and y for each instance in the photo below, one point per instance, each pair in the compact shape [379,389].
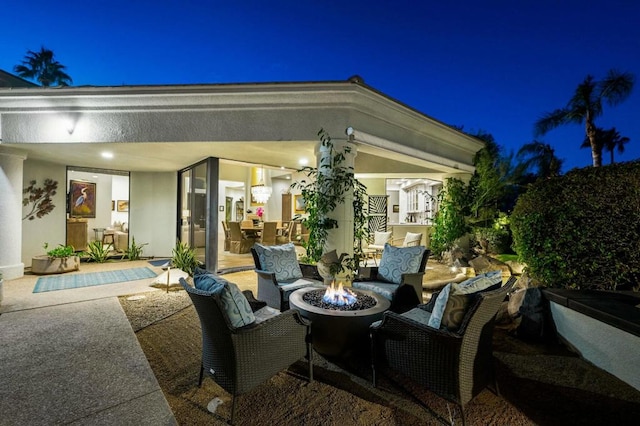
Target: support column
[11,175]
[341,238]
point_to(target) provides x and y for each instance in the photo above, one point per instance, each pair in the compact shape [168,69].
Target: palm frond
[551,120]
[616,86]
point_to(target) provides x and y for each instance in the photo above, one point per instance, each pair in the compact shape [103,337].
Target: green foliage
[60,252]
[449,223]
[184,258]
[97,251]
[582,230]
[135,250]
[39,198]
[326,188]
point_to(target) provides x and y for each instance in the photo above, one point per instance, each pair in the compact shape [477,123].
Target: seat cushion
[386,290]
[419,315]
[265,313]
[280,259]
[235,305]
[399,260]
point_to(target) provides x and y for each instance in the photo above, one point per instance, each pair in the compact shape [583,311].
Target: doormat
[69,281]
[160,262]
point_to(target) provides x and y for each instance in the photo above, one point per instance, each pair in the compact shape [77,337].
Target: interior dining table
[256,230]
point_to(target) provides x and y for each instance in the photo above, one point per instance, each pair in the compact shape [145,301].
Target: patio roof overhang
[165,128]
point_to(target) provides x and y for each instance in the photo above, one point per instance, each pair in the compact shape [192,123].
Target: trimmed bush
[582,230]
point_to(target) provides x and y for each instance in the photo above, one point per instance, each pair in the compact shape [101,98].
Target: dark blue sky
[487,65]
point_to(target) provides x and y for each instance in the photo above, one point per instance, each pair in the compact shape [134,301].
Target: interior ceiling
[169,156]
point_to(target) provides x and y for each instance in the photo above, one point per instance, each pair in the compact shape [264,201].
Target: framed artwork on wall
[396,208]
[298,203]
[82,199]
[113,205]
[123,205]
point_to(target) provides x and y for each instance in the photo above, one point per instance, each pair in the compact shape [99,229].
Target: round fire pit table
[338,333]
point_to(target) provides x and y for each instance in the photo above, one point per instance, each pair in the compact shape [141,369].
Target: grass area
[507,257]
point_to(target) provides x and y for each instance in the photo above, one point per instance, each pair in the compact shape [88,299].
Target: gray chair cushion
[386,290]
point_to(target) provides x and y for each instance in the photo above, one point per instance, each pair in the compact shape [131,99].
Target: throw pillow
[412,238]
[487,281]
[399,260]
[455,309]
[281,260]
[234,304]
[438,308]
[381,238]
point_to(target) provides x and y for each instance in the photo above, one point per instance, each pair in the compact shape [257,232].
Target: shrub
[135,250]
[184,258]
[582,230]
[449,223]
[60,251]
[97,251]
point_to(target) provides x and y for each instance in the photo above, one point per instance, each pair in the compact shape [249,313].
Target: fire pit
[340,317]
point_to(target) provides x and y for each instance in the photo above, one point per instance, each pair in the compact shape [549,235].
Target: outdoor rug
[69,281]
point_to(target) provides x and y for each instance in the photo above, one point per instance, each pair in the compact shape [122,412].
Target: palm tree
[586,105]
[41,67]
[610,139]
[542,156]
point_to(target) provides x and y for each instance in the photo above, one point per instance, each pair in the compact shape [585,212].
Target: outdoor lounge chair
[279,274]
[241,358]
[454,364]
[398,278]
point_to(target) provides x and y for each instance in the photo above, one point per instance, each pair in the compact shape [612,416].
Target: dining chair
[268,237]
[240,242]
[247,223]
[227,235]
[287,234]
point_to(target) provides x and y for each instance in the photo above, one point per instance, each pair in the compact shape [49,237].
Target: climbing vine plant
[450,222]
[324,189]
[39,197]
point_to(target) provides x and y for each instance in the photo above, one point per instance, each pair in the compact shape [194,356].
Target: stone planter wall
[43,265]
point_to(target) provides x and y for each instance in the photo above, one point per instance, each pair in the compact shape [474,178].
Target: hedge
[582,230]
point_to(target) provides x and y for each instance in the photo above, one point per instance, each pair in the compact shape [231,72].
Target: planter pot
[43,265]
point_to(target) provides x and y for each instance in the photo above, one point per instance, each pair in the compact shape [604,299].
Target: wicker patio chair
[403,294]
[455,365]
[239,359]
[276,292]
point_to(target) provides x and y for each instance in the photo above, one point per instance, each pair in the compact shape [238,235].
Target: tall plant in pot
[326,188]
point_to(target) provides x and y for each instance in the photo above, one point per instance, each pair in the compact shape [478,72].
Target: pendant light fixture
[261,192]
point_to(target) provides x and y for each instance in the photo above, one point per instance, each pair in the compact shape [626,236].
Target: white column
[341,238]
[11,164]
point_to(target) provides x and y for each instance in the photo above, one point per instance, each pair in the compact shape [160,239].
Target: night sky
[494,66]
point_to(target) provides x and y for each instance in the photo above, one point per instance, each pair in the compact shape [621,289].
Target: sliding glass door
[197,186]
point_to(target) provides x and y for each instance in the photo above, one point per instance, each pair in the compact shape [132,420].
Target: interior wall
[119,191]
[51,227]
[152,212]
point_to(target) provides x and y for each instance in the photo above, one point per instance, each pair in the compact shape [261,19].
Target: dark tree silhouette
[541,156]
[586,104]
[43,68]
[610,139]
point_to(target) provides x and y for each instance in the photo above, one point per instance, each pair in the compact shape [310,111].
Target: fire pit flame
[339,296]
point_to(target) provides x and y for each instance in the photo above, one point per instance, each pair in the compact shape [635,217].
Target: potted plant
[58,260]
[322,193]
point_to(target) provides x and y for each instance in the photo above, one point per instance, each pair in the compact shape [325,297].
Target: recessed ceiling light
[107,154]
[303,161]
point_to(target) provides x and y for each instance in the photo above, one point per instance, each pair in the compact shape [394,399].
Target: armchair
[455,363]
[410,239]
[398,278]
[229,354]
[279,274]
